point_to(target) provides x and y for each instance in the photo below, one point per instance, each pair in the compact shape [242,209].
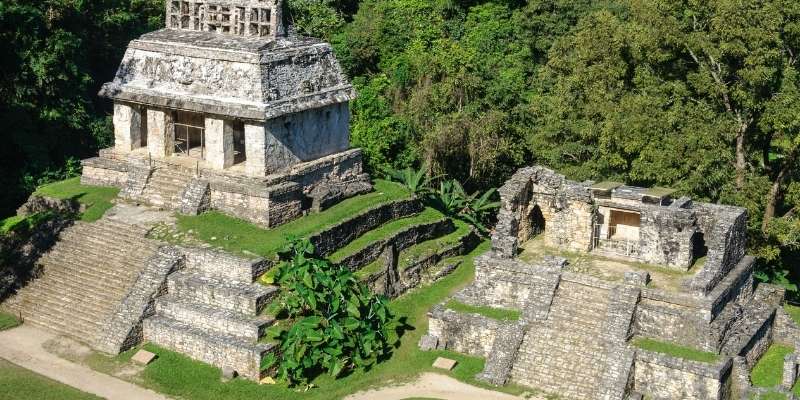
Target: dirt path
[23,346]
[433,386]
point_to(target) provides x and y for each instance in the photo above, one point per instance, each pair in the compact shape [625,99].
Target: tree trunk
[740,156]
[775,192]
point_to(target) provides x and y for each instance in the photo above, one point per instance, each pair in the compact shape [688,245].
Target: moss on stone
[671,349]
[501,314]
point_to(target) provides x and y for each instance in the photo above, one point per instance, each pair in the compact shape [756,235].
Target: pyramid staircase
[213,312]
[566,353]
[165,187]
[84,277]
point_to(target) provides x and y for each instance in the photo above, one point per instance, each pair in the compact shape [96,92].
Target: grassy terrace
[240,236]
[419,251]
[794,312]
[20,383]
[768,371]
[425,249]
[501,314]
[97,199]
[178,376]
[671,349]
[387,230]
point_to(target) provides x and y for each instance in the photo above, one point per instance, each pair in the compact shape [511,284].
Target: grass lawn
[240,236]
[177,375]
[20,383]
[793,311]
[387,230]
[8,321]
[768,371]
[675,350]
[502,314]
[96,198]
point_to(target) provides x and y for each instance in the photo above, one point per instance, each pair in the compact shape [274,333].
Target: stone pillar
[255,150]
[127,127]
[789,371]
[219,143]
[160,133]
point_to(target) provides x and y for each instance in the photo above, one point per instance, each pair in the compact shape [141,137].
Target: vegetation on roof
[606,185]
[657,191]
[237,235]
[502,314]
[675,350]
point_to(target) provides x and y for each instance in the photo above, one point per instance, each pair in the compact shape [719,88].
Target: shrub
[339,324]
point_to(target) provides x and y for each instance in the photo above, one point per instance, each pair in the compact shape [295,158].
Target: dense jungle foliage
[696,95]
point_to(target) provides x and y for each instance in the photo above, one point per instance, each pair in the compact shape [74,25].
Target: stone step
[248,299]
[221,351]
[224,266]
[85,334]
[73,321]
[113,272]
[92,254]
[70,300]
[65,283]
[214,319]
[105,232]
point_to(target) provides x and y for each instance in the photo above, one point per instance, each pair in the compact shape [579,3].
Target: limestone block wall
[508,283]
[725,232]
[665,236]
[306,136]
[333,238]
[471,334]
[100,171]
[663,319]
[566,207]
[662,377]
[785,329]
[271,206]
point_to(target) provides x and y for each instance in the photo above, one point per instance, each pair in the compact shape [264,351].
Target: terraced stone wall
[662,377]
[471,334]
[335,237]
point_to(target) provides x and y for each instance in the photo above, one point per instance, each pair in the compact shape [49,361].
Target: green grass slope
[240,236]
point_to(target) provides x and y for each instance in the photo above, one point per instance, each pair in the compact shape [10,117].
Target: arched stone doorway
[536,222]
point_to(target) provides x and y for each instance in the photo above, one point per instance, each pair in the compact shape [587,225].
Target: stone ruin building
[221,110]
[591,267]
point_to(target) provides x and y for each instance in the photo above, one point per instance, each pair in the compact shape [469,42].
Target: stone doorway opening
[536,221]
[190,135]
[239,150]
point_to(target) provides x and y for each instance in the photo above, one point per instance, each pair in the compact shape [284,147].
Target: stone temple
[592,269]
[221,110]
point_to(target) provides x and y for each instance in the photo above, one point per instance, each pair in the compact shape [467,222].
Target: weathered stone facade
[222,97]
[574,334]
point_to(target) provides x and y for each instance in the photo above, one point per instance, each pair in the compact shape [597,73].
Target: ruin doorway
[239,150]
[536,221]
[624,225]
[189,128]
[699,247]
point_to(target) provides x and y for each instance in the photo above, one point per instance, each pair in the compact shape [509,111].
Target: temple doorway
[190,134]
